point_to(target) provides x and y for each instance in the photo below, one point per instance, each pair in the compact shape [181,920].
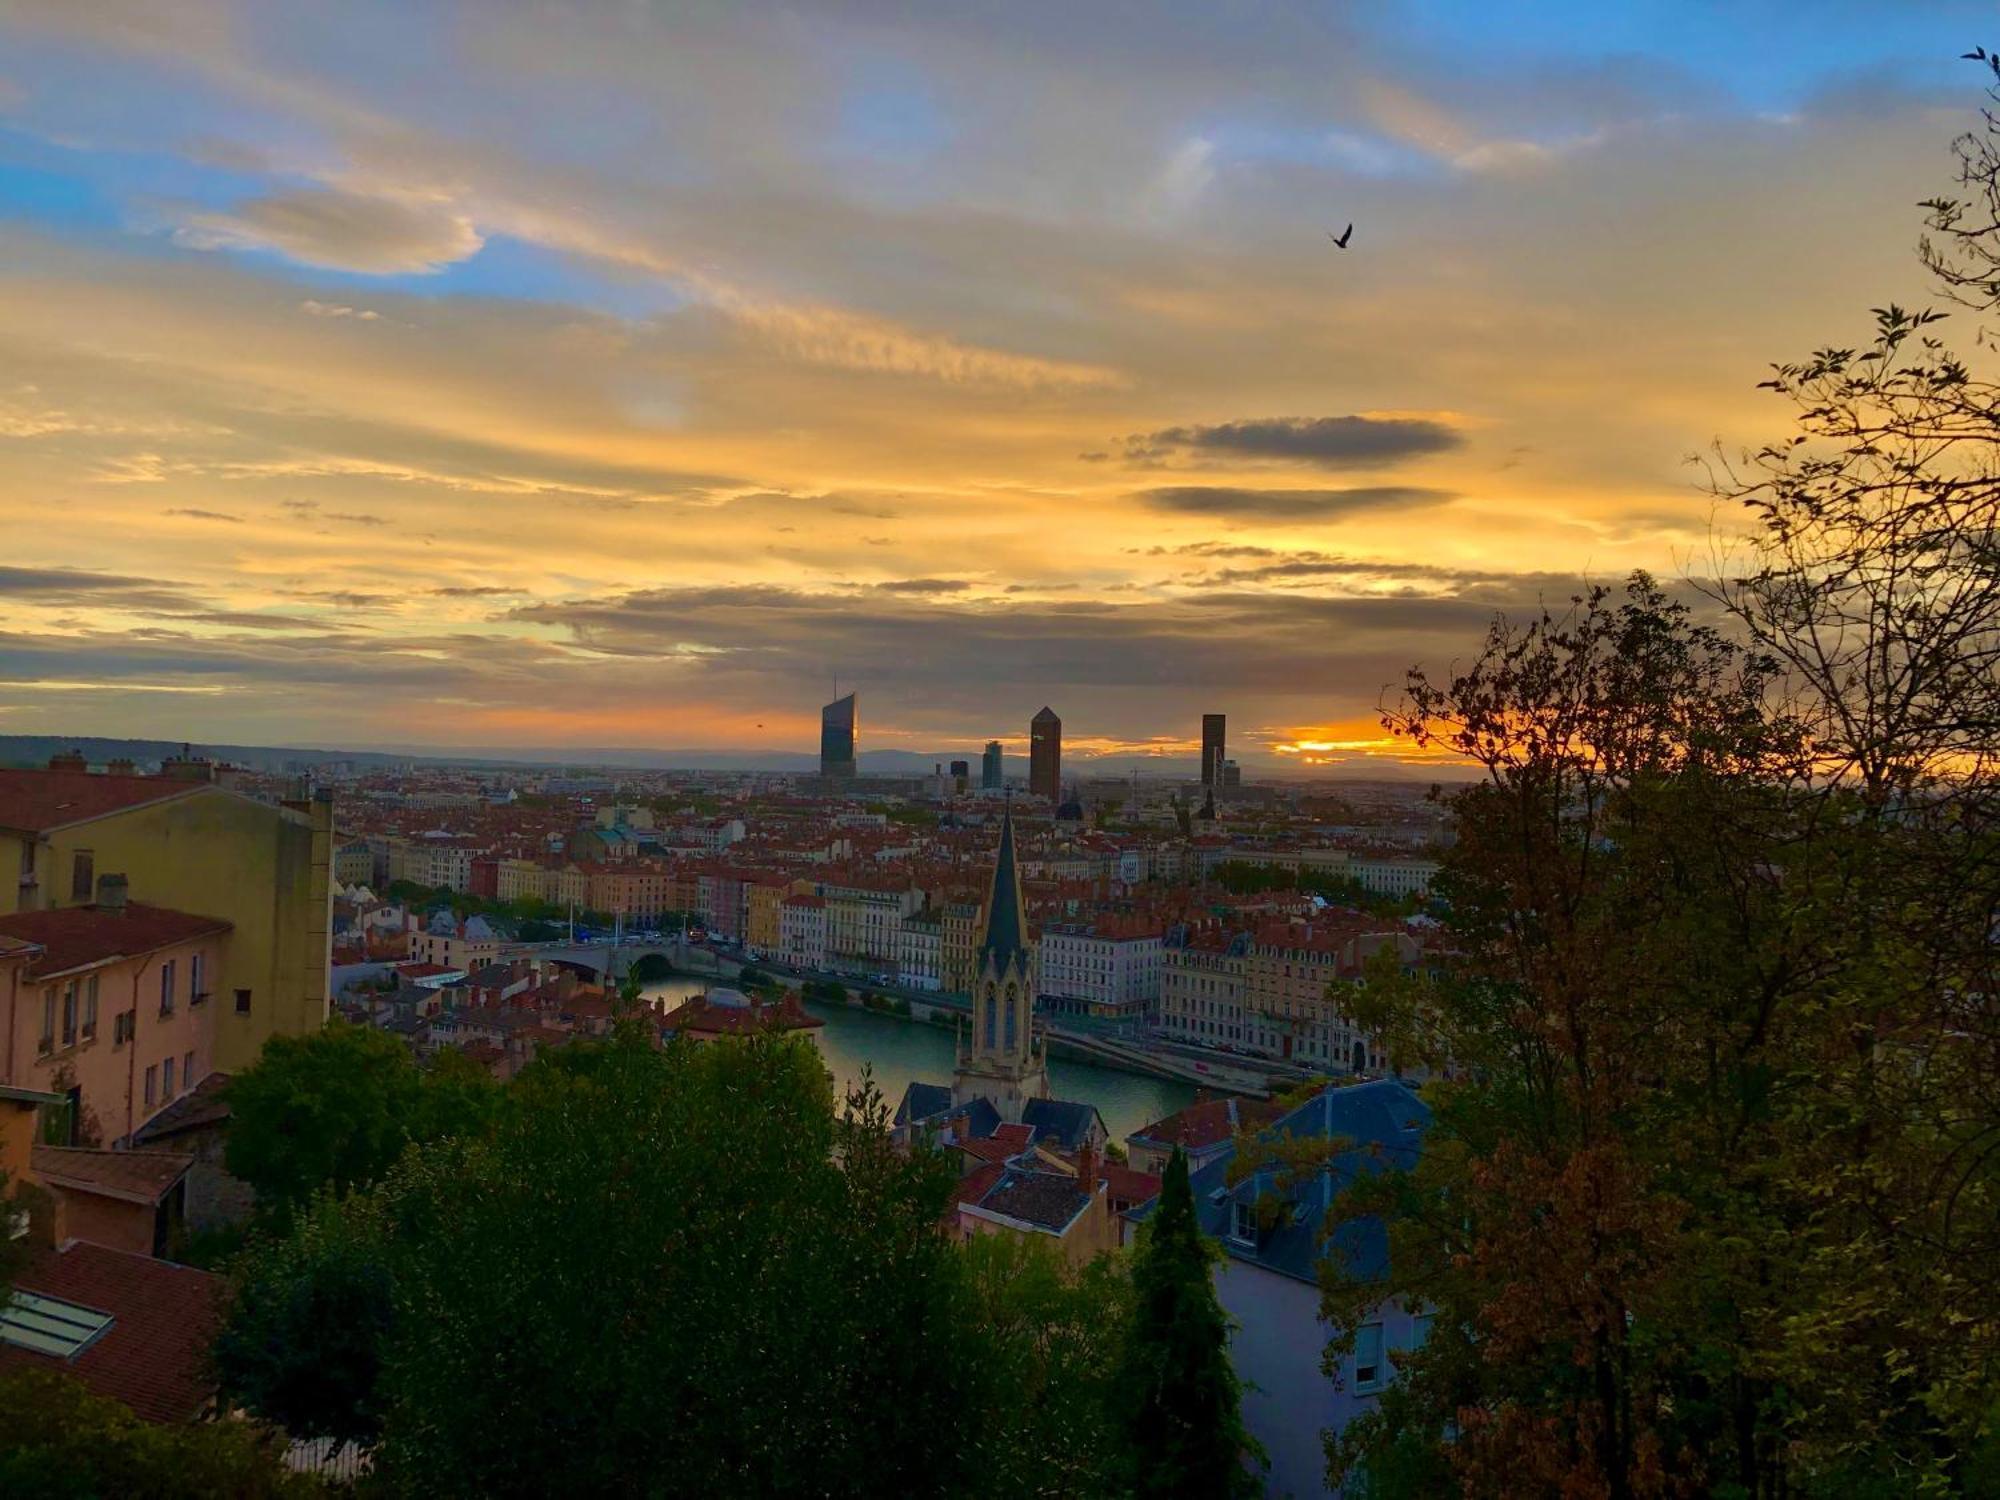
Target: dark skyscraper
[992,768]
[838,722]
[1212,727]
[1045,755]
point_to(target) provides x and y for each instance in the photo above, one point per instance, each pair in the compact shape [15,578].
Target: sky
[545,375]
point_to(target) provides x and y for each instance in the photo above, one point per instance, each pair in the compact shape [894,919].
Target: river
[900,1051]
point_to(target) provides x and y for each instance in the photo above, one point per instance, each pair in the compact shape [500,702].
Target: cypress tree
[1184,1426]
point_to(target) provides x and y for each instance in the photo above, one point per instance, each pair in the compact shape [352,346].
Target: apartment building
[193,846]
[1108,967]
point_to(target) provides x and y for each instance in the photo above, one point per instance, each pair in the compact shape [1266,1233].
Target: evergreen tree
[1183,1426]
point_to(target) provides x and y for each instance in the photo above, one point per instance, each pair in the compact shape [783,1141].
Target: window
[1368,1357]
[187,1071]
[152,1086]
[48,1040]
[197,991]
[1243,1221]
[90,1008]
[82,877]
[122,1027]
[167,1079]
[69,1014]
[242,1002]
[1420,1331]
[167,988]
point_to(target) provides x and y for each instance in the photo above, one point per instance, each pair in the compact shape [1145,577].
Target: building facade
[1214,733]
[839,726]
[265,869]
[1108,969]
[1045,756]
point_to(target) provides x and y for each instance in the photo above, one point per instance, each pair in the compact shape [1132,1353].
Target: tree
[336,1107]
[704,1272]
[1183,1427]
[1712,1197]
[1046,1340]
[60,1442]
[309,1319]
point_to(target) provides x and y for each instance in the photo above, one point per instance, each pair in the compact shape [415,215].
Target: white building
[802,932]
[1392,876]
[921,965]
[1109,968]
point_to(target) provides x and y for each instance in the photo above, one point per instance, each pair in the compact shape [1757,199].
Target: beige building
[193,846]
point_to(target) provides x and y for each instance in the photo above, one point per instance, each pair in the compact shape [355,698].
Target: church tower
[1002,1063]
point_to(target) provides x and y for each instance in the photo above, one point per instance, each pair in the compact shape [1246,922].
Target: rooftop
[40,801]
[152,1355]
[135,1176]
[75,937]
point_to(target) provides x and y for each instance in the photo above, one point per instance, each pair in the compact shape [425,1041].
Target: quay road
[1226,1071]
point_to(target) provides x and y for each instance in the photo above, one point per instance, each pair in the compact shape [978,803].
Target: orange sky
[504,376]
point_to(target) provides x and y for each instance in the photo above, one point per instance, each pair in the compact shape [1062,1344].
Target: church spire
[1004,941]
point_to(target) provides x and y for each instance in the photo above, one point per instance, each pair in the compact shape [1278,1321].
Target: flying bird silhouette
[1977,54]
[1340,240]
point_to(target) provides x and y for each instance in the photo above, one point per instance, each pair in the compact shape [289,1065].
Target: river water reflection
[900,1051]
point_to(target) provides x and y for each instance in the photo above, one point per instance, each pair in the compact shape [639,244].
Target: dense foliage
[679,1271]
[1711,1202]
[59,1442]
[336,1108]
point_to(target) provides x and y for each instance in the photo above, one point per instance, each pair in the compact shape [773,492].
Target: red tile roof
[164,1318]
[74,936]
[135,1176]
[38,801]
[1208,1123]
[701,1018]
[1122,1184]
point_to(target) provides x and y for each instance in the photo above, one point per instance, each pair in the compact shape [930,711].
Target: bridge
[612,961]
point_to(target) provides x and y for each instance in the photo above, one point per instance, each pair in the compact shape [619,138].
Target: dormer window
[1243,1221]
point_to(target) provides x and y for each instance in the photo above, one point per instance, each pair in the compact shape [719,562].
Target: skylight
[42,1324]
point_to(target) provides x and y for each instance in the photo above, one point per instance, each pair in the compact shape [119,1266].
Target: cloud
[194,513]
[340,230]
[321,309]
[923,586]
[1326,442]
[1289,505]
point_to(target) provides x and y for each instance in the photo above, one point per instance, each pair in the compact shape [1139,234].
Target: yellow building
[763,901]
[518,879]
[194,846]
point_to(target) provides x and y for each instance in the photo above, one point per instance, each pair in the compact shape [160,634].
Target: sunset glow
[481,376]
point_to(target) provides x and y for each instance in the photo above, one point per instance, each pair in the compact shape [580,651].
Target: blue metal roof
[1384,1119]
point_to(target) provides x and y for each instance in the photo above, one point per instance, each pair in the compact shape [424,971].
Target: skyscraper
[1212,727]
[992,769]
[1045,755]
[838,722]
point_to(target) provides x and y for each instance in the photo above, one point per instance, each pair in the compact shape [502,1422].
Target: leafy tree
[678,1269]
[1183,1427]
[309,1318]
[335,1108]
[332,1108]
[60,1442]
[1048,1339]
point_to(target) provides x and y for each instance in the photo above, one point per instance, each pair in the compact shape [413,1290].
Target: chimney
[68,760]
[1086,1170]
[122,766]
[111,893]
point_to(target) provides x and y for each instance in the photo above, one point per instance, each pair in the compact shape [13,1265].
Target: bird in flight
[1340,240]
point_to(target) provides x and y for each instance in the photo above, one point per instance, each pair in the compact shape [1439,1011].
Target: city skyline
[987,359]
